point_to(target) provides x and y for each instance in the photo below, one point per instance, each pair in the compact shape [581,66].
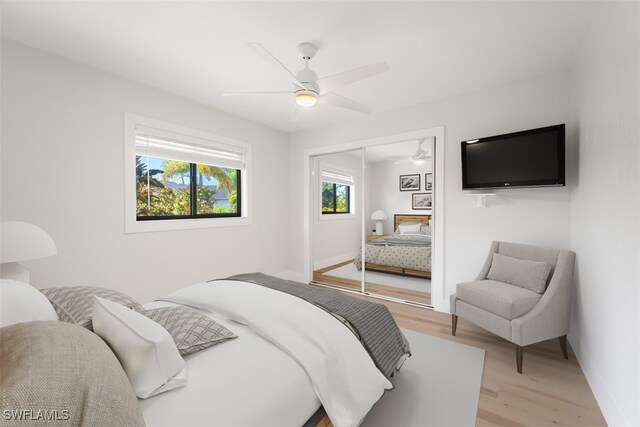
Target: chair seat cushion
[500,298]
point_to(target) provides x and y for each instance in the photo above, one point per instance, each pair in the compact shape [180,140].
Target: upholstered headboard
[405,218]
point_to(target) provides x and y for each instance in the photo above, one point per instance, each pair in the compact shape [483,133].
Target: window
[180,178]
[336,190]
[172,189]
[335,198]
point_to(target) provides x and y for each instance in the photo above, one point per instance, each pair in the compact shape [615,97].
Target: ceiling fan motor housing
[306,76]
[307,50]
[308,79]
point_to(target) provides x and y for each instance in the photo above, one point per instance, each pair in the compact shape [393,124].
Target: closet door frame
[439,296]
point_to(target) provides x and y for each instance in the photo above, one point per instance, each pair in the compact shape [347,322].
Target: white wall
[605,230]
[62,169]
[536,216]
[337,238]
[386,194]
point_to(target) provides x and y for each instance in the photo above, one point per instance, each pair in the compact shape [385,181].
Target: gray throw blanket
[372,322]
[402,240]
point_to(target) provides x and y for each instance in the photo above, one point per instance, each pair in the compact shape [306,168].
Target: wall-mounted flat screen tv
[530,158]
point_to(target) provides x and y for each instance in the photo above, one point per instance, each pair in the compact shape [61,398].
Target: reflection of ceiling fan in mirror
[419,157]
[308,90]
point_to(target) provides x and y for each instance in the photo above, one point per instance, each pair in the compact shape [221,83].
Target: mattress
[242,382]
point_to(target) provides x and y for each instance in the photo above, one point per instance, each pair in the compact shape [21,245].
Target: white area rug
[439,385]
[350,271]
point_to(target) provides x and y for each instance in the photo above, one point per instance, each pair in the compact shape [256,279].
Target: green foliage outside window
[335,198]
[166,190]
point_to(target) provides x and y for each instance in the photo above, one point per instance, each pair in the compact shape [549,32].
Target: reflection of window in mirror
[339,192]
[335,198]
[337,189]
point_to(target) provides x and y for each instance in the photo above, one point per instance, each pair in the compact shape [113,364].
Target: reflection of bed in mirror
[407,254]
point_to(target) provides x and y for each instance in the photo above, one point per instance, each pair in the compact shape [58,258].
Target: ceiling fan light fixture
[421,155]
[419,158]
[306,98]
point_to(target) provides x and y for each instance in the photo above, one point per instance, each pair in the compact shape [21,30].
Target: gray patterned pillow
[74,304]
[191,330]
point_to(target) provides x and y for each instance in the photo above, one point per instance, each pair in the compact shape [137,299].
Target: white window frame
[132,225]
[353,190]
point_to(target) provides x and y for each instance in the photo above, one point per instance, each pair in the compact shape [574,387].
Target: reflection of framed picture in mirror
[410,182]
[428,182]
[422,201]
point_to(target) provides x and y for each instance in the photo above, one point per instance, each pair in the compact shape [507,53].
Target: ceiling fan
[421,155]
[308,89]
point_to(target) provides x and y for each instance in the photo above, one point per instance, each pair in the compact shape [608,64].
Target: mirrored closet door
[372,218]
[400,199]
[338,197]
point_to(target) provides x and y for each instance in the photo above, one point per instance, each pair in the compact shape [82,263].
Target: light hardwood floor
[550,391]
[323,275]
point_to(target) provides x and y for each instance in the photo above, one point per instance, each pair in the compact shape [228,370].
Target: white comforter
[342,373]
[243,382]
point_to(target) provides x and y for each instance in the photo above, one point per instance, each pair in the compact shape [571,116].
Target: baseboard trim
[334,260]
[608,405]
[292,275]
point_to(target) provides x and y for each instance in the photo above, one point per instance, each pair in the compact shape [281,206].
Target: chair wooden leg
[519,358]
[563,346]
[454,324]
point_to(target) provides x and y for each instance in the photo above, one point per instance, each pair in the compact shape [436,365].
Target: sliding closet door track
[372,295]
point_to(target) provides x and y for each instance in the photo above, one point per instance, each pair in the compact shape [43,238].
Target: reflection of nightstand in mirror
[374,236]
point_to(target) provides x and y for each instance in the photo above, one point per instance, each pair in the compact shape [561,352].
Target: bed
[407,255]
[299,352]
[218,380]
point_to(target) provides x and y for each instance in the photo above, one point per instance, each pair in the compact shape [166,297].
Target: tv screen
[530,158]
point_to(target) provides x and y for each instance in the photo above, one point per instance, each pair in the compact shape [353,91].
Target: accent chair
[512,297]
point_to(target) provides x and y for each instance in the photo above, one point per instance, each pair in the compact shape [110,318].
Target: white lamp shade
[379,214]
[21,241]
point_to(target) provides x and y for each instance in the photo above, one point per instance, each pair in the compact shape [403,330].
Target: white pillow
[145,349]
[409,228]
[21,302]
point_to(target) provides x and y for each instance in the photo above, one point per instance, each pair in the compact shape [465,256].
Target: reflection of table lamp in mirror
[379,216]
[21,241]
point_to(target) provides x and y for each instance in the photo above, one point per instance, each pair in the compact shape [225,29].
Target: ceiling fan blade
[341,101]
[420,158]
[295,113]
[257,93]
[331,83]
[267,56]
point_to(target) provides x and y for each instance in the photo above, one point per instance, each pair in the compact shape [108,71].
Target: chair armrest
[550,317]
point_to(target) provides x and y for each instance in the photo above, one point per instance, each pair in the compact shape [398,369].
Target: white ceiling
[198,49]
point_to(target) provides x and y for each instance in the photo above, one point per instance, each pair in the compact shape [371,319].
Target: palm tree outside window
[173,189]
